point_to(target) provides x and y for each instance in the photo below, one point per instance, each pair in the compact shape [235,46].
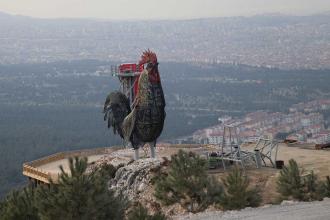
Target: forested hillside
[51,107]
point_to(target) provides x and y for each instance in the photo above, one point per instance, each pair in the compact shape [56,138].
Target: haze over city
[159,9]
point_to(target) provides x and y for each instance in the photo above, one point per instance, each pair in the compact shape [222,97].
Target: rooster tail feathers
[116,108]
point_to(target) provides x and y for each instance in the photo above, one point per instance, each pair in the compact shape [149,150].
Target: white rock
[132,179]
[288,202]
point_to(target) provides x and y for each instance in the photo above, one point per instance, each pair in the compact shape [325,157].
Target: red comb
[148,57]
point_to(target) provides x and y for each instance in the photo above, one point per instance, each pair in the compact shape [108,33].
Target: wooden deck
[46,168]
[42,170]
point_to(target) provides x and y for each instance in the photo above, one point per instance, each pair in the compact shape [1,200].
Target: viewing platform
[40,171]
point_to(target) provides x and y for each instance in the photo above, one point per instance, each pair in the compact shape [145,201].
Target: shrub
[237,193]
[215,191]
[290,182]
[19,205]
[141,213]
[312,187]
[79,195]
[107,171]
[187,183]
[325,187]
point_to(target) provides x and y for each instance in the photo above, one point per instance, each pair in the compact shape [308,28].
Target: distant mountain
[2,14]
[265,40]
[324,13]
[5,15]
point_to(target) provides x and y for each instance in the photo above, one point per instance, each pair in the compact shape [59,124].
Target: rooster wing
[116,108]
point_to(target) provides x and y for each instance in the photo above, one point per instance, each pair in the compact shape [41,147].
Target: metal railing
[32,170]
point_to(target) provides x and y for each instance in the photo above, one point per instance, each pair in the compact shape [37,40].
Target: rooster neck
[153,75]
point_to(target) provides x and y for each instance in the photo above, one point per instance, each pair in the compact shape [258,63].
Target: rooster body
[145,121]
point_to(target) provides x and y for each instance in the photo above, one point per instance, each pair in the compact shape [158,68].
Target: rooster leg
[136,154]
[153,149]
[136,150]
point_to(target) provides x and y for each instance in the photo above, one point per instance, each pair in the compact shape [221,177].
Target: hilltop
[263,40]
[135,178]
[174,185]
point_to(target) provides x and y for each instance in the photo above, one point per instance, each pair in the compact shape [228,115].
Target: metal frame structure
[231,149]
[127,80]
[265,150]
[268,149]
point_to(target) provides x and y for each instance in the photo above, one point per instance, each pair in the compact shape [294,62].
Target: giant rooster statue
[144,122]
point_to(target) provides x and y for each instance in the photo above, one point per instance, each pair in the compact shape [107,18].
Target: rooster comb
[148,57]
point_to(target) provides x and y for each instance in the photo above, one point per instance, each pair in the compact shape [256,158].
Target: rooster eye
[150,65]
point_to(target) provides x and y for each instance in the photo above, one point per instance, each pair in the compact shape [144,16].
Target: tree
[312,187]
[107,171]
[19,205]
[290,181]
[237,193]
[187,183]
[141,213]
[79,195]
[325,187]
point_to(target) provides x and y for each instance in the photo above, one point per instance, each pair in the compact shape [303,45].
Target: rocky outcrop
[134,178]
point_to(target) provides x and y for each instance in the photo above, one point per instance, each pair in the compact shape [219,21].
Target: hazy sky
[154,9]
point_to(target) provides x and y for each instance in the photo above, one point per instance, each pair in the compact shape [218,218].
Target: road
[290,211]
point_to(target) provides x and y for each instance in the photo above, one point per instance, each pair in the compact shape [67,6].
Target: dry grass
[306,157]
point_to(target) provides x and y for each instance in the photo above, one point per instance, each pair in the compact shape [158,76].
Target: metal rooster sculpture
[144,122]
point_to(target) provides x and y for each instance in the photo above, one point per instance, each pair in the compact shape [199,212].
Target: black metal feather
[116,108]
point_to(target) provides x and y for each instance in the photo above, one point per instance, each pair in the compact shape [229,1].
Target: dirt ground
[318,210]
[265,178]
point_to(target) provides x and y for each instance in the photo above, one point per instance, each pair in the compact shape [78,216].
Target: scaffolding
[231,148]
[127,74]
[268,149]
[263,154]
